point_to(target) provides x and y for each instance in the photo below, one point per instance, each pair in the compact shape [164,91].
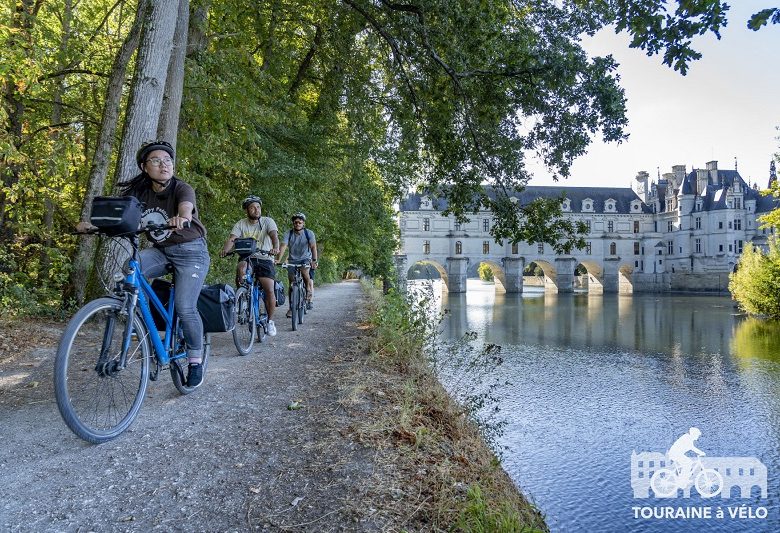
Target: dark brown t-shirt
[160,206]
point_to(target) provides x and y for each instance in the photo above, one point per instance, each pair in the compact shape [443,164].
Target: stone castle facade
[684,231]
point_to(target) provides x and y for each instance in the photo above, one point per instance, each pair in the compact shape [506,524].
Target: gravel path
[230,457]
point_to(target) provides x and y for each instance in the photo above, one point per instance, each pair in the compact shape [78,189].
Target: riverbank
[308,433]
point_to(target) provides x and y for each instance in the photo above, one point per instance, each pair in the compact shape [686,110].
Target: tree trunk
[196,33]
[270,41]
[168,126]
[20,39]
[143,108]
[104,145]
[304,66]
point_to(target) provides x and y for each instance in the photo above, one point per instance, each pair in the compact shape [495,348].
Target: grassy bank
[437,470]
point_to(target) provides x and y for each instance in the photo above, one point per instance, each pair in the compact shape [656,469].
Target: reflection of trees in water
[755,338]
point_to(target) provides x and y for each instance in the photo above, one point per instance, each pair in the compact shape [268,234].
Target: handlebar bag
[217,307]
[115,215]
[245,247]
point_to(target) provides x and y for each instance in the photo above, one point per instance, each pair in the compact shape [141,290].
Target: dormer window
[426,203]
[566,206]
[636,205]
[609,206]
[587,205]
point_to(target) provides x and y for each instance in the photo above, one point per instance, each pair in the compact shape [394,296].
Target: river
[596,378]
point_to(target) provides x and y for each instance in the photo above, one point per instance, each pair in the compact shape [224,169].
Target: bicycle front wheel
[301,304]
[246,325]
[97,397]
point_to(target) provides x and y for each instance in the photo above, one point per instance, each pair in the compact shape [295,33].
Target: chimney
[712,165]
[702,179]
[641,185]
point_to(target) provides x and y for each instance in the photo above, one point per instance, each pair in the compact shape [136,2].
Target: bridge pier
[513,272]
[457,273]
[611,277]
[400,267]
[565,267]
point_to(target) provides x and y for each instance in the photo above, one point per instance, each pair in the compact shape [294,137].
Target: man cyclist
[678,454]
[265,232]
[303,249]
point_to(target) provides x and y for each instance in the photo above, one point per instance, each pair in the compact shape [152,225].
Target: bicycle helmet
[149,147]
[298,215]
[250,200]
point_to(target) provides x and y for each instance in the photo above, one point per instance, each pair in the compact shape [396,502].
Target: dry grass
[435,469]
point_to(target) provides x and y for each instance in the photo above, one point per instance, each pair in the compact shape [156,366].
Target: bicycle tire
[246,325]
[301,303]
[98,401]
[262,321]
[295,297]
[179,367]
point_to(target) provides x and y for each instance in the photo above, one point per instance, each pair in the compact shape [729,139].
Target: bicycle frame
[140,293]
[258,293]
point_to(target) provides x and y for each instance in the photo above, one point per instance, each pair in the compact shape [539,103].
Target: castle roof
[623,197]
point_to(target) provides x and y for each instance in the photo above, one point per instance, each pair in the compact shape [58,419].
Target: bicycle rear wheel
[246,325]
[295,300]
[179,367]
[97,399]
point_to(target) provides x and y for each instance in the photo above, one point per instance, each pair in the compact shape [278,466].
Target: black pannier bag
[245,247]
[115,215]
[217,306]
[279,293]
[162,289]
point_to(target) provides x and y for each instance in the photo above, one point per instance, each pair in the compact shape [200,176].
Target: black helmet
[298,215]
[250,200]
[149,147]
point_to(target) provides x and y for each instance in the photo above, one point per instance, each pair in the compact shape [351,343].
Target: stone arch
[412,261]
[594,279]
[626,279]
[550,273]
[499,274]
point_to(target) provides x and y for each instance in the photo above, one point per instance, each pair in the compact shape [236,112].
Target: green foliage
[756,283]
[485,272]
[761,18]
[479,517]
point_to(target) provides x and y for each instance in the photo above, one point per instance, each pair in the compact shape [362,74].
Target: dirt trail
[230,457]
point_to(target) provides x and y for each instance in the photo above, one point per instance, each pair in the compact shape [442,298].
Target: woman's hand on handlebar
[85,227]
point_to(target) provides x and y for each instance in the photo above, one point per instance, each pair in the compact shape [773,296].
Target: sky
[726,107]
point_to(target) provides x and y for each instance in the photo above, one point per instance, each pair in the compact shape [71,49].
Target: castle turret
[772,174]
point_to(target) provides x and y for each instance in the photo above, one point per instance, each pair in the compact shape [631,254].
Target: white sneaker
[271,328]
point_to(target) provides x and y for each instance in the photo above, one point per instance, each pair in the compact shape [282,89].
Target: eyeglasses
[297,221]
[156,161]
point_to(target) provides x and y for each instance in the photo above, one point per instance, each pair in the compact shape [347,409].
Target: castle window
[698,246]
[426,247]
[698,222]
[669,226]
[540,248]
[610,226]
[515,248]
[739,247]
[737,203]
[730,225]
[587,225]
[669,247]
[636,226]
[612,248]
[457,226]
[636,248]
[738,224]
[486,224]
[458,247]
[588,248]
[485,247]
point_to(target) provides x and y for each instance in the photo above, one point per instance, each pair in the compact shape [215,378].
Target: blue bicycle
[111,348]
[252,317]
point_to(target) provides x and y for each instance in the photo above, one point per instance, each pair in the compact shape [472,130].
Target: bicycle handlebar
[261,252]
[149,227]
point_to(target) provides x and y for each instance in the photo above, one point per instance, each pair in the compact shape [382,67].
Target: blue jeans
[191,263]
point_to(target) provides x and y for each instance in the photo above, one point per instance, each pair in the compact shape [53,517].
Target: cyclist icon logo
[684,467]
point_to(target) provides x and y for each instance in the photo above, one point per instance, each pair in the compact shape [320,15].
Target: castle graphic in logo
[677,470]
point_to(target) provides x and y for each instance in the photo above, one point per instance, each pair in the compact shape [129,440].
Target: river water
[595,378]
